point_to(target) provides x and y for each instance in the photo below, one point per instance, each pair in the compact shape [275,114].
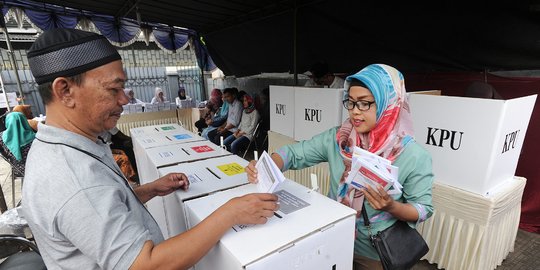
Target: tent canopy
[247,37]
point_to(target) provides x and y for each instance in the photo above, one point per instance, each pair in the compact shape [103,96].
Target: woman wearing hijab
[182,93]
[379,122]
[131,96]
[240,139]
[212,106]
[27,111]
[218,119]
[159,97]
[16,140]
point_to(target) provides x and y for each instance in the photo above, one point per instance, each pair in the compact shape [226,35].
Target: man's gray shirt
[81,212]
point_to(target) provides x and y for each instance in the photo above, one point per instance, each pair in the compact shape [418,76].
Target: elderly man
[81,211]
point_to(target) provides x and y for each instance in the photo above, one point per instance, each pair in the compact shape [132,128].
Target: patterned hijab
[17,134]
[393,129]
[251,105]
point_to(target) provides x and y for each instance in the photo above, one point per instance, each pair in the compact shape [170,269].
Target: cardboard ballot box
[309,231]
[166,138]
[168,155]
[156,129]
[474,143]
[282,109]
[205,177]
[316,110]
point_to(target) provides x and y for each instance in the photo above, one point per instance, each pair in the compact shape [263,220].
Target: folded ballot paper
[368,169]
[269,175]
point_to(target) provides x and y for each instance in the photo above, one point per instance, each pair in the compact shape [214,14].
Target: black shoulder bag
[399,246]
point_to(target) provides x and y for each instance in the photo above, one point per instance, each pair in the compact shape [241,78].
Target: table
[471,231]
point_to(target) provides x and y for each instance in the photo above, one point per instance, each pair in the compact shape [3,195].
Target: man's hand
[253,208]
[169,183]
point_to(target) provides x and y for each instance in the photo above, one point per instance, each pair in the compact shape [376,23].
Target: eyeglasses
[362,105]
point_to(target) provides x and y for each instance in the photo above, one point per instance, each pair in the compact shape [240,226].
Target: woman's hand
[378,198]
[252,172]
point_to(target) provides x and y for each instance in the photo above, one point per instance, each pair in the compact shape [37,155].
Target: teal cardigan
[415,174]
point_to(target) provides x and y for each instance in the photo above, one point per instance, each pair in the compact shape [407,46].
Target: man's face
[228,97]
[99,98]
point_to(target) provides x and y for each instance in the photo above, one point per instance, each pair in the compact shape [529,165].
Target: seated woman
[240,139]
[16,140]
[27,111]
[212,107]
[131,96]
[159,97]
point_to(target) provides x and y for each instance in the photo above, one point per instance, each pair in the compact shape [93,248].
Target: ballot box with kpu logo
[205,177]
[282,109]
[474,143]
[309,231]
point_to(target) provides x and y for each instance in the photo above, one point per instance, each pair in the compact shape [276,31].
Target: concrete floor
[525,256]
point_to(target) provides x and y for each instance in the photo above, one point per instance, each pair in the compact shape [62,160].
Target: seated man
[233,117]
[321,77]
[78,205]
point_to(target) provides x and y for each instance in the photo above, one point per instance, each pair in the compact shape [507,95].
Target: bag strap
[366,221]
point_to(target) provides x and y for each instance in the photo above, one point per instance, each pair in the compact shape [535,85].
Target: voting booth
[316,110]
[282,110]
[205,177]
[474,143]
[309,231]
[301,112]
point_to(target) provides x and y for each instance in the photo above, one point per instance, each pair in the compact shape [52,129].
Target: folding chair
[253,141]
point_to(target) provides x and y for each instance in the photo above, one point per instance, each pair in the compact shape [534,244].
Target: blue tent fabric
[170,39]
[50,20]
[118,30]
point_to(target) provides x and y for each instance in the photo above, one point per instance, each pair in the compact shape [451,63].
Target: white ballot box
[309,231]
[474,143]
[316,110]
[205,177]
[168,155]
[156,129]
[166,138]
[282,109]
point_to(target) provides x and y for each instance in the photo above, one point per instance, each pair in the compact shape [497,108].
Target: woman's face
[362,121]
[245,102]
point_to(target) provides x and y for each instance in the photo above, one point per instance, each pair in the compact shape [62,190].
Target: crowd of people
[93,219]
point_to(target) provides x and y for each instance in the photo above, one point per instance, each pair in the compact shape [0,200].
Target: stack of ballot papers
[269,175]
[368,169]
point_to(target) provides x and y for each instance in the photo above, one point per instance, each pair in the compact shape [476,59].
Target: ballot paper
[372,170]
[269,175]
